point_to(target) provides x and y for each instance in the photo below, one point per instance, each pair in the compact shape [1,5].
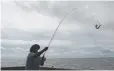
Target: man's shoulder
[31,54]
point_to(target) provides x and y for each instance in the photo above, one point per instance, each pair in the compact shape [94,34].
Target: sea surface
[68,63]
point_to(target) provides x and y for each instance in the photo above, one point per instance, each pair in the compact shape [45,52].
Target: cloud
[26,23]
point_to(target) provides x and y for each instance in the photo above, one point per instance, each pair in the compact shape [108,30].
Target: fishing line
[94,41]
[99,24]
[90,35]
[97,21]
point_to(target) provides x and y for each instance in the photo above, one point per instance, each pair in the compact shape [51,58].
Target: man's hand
[46,48]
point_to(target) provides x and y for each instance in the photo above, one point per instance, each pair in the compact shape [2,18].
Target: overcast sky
[25,23]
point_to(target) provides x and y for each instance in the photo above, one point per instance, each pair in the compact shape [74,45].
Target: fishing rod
[59,26]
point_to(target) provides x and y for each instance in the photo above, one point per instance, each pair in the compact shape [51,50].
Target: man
[33,59]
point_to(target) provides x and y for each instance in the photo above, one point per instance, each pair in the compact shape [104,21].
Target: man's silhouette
[33,61]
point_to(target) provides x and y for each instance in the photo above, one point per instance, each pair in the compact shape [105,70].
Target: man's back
[32,63]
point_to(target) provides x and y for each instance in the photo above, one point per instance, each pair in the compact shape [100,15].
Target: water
[69,63]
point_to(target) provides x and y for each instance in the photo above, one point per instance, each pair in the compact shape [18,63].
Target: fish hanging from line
[97,26]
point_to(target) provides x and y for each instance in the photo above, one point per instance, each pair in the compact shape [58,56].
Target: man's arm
[39,53]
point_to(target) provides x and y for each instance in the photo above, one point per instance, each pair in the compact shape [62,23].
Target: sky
[25,23]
